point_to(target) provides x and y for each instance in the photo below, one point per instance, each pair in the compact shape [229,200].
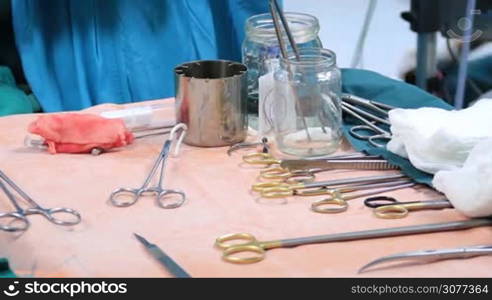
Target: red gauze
[80,133]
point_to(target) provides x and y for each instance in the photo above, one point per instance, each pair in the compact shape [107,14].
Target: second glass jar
[306,113]
[261,46]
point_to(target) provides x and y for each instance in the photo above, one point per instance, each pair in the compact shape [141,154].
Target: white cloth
[470,188]
[435,139]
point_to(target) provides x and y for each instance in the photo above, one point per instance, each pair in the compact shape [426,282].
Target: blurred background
[58,41]
[390,46]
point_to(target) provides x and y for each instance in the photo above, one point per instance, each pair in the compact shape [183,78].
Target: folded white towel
[435,139]
[470,188]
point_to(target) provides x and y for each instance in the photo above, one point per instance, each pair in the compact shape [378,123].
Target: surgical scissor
[433,255]
[338,197]
[390,208]
[276,189]
[18,218]
[124,197]
[268,159]
[369,130]
[308,168]
[247,243]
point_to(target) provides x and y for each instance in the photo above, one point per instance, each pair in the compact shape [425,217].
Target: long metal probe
[276,14]
[387,232]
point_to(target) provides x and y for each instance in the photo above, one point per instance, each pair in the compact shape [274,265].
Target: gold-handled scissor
[278,189]
[267,159]
[338,198]
[247,243]
[291,169]
[390,208]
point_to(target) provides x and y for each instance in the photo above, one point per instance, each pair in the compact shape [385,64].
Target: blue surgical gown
[78,53]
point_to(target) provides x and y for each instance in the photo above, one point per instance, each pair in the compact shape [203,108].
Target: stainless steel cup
[211,99]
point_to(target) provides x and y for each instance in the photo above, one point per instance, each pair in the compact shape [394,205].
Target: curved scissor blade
[432,255]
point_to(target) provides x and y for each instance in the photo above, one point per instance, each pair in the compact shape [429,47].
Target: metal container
[211,99]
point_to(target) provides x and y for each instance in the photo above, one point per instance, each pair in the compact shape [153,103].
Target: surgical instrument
[338,197]
[433,255]
[292,167]
[374,132]
[124,197]
[138,134]
[278,17]
[245,242]
[276,189]
[19,216]
[369,104]
[268,159]
[32,141]
[263,143]
[369,120]
[163,258]
[390,208]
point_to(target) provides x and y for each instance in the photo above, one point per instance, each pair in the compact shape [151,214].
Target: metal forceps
[390,208]
[19,216]
[263,143]
[124,197]
[247,243]
[369,131]
[433,255]
[267,159]
[291,169]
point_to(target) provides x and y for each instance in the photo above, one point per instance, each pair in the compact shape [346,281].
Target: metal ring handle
[52,212]
[260,159]
[364,128]
[384,137]
[378,201]
[175,203]
[124,192]
[16,217]
[221,242]
[275,173]
[391,212]
[261,186]
[228,254]
[318,206]
[277,192]
[305,177]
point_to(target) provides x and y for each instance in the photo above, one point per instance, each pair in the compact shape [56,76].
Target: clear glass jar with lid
[306,113]
[261,45]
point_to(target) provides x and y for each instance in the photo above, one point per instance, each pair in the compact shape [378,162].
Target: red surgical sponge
[80,133]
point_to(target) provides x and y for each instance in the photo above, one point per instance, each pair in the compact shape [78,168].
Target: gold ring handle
[320,206]
[277,192]
[260,159]
[259,254]
[275,173]
[391,212]
[221,242]
[260,186]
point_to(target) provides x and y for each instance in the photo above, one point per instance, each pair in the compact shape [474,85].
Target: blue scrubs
[77,54]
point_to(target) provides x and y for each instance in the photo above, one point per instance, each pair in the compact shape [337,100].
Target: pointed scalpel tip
[140,238]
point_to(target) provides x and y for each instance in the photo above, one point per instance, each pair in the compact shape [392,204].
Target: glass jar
[261,45]
[306,114]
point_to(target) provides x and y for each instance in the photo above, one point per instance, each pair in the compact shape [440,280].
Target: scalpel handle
[168,262]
